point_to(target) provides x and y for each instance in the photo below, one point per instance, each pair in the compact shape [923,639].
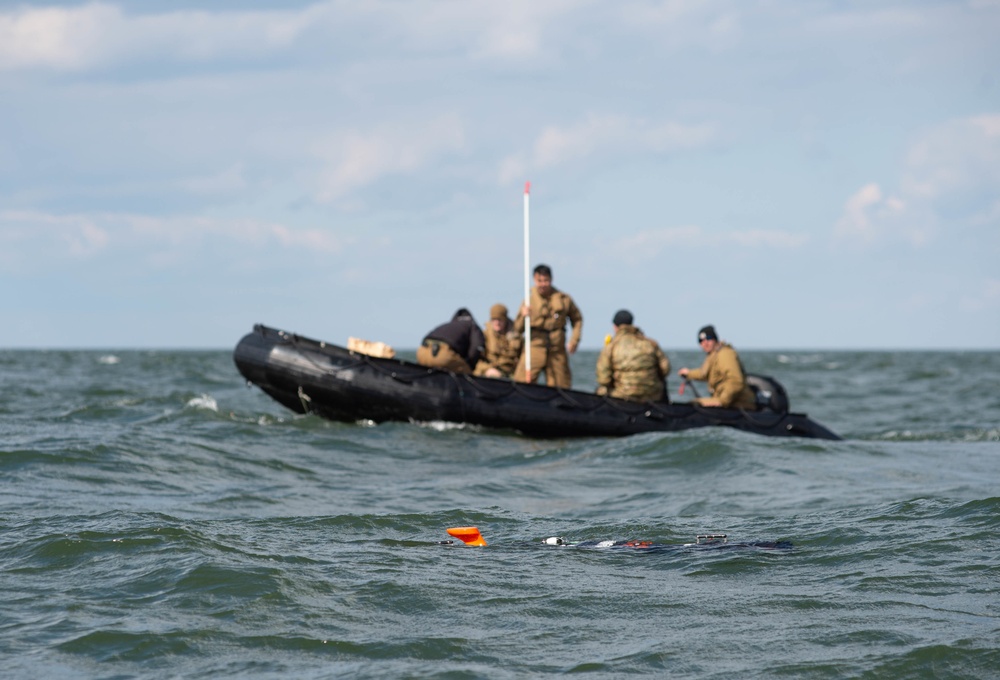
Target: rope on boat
[574,402]
[708,412]
[319,367]
[523,390]
[362,360]
[612,402]
[481,389]
[760,423]
[461,393]
[305,399]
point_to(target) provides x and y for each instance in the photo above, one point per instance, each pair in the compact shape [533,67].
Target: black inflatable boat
[309,376]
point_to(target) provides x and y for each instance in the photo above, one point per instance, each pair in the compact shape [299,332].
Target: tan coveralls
[438,354]
[724,374]
[549,316]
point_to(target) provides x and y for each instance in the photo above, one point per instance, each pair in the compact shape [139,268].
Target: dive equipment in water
[472,536]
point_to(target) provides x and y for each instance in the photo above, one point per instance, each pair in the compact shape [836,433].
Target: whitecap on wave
[108,359]
[800,358]
[204,401]
[442,426]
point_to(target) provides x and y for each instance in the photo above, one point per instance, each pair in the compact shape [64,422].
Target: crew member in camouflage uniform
[632,366]
[723,371]
[503,345]
[550,310]
[453,346]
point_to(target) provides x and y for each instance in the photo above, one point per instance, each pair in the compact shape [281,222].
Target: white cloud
[57,37]
[989,125]
[95,34]
[191,231]
[98,33]
[608,135]
[951,177]
[356,159]
[86,239]
[33,239]
[525,33]
[76,236]
[654,243]
[511,30]
[683,23]
[865,214]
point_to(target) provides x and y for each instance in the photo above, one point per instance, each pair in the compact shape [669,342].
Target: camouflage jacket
[632,367]
[502,351]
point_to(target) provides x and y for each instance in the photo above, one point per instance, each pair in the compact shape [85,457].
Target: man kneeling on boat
[632,366]
[723,371]
[503,345]
[453,346]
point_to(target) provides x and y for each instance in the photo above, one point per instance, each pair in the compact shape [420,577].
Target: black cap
[622,317]
[707,333]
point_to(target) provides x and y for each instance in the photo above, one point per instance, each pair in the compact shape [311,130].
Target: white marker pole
[527,287]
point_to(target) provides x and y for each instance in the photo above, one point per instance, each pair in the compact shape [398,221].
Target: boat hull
[309,376]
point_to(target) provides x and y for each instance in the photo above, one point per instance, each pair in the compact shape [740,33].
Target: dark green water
[158,519]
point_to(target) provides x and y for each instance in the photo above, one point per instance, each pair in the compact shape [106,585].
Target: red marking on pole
[527,187]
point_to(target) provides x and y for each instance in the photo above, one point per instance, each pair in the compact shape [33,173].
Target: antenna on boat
[527,287]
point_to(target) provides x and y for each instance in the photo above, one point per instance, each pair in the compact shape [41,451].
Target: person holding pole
[548,310]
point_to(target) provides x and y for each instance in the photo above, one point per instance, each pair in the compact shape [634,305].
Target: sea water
[160,519]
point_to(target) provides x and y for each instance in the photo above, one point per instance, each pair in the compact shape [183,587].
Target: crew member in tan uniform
[723,371]
[503,345]
[550,310]
[632,366]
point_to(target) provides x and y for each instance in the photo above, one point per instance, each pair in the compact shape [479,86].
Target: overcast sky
[803,174]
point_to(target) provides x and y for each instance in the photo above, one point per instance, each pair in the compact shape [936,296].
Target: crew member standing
[723,371]
[503,345]
[550,310]
[632,366]
[453,346]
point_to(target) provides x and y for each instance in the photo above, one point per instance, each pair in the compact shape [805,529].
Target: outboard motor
[770,394]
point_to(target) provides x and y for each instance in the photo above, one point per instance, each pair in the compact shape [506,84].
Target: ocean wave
[203,401]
